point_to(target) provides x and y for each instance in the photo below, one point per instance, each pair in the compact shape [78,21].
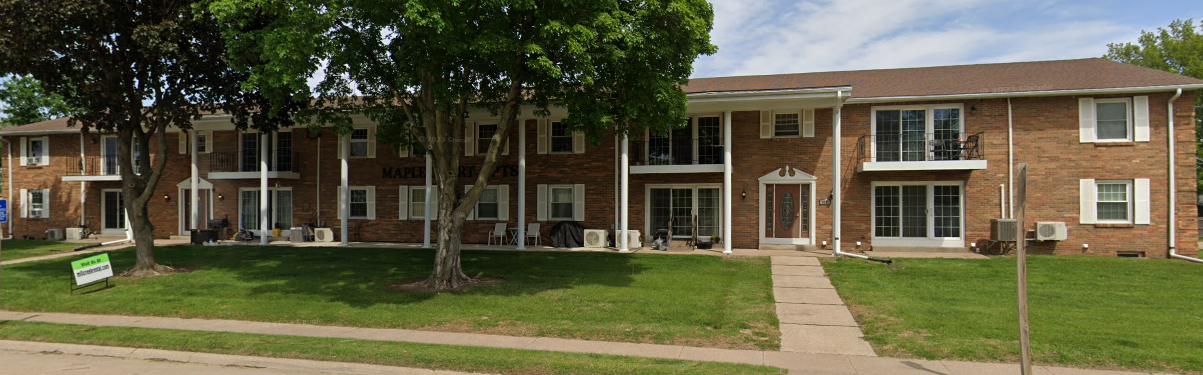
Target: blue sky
[781,36]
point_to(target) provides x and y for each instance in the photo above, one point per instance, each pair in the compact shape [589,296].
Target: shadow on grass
[360,277]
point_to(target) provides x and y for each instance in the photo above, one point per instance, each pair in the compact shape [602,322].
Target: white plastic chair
[532,231]
[498,233]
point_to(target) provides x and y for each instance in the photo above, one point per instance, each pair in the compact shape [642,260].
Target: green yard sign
[92,269]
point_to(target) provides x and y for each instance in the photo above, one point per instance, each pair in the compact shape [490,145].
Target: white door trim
[787,176]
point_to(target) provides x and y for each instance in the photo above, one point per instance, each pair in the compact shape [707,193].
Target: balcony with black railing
[236,165]
[920,152]
[661,156]
[95,168]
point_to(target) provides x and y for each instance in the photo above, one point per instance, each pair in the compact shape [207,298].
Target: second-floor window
[787,124]
[36,151]
[698,142]
[248,149]
[1112,120]
[484,135]
[359,143]
[561,138]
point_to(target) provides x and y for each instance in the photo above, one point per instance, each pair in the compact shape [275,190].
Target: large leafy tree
[1177,49]
[417,67]
[22,101]
[132,68]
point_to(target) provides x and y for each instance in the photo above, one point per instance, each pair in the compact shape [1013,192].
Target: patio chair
[498,232]
[970,149]
[532,231]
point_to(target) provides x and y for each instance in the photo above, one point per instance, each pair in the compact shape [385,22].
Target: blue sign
[3,210]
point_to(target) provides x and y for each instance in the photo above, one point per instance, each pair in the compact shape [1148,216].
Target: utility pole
[1025,344]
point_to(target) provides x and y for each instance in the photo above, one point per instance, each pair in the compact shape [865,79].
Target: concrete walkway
[797,363]
[21,357]
[813,318]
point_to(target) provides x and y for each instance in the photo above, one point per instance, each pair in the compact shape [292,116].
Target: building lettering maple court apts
[926,158]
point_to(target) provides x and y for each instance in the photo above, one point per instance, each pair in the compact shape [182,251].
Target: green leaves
[22,101]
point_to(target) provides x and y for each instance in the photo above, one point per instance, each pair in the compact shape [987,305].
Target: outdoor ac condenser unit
[54,234]
[323,235]
[634,239]
[595,238]
[1006,230]
[1050,231]
[75,234]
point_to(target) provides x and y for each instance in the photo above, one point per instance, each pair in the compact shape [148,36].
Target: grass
[18,249]
[645,298]
[1084,312]
[429,356]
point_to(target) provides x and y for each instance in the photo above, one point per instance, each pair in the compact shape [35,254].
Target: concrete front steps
[913,249]
[765,246]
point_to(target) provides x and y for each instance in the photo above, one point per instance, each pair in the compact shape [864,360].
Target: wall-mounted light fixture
[744,194]
[220,197]
[857,243]
[167,197]
[973,110]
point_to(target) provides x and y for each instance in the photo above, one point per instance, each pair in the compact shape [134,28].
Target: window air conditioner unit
[1006,230]
[595,238]
[1050,231]
[323,235]
[54,234]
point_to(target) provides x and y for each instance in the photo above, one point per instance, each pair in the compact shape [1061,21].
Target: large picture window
[917,211]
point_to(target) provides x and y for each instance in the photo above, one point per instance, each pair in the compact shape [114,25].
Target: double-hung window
[561,138]
[36,203]
[34,151]
[1112,120]
[1114,201]
[362,204]
[359,143]
[417,202]
[487,206]
[561,202]
[786,124]
[484,135]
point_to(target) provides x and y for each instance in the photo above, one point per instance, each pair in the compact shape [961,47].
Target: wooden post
[1025,345]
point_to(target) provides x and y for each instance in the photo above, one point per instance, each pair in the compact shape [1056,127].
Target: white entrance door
[186,209]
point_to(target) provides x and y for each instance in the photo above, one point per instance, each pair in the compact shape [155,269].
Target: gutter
[1173,227]
[835,183]
[1007,94]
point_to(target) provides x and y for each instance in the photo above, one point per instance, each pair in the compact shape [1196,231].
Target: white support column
[836,162]
[727,182]
[521,185]
[264,215]
[429,210]
[344,191]
[194,196]
[625,211]
[83,185]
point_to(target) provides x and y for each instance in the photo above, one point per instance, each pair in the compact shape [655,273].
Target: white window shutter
[403,151]
[1142,214]
[578,142]
[766,124]
[24,155]
[578,204]
[403,203]
[24,201]
[471,213]
[432,209]
[470,139]
[371,202]
[503,202]
[183,141]
[544,129]
[1086,120]
[208,137]
[541,205]
[45,203]
[1087,199]
[371,143]
[45,159]
[1140,111]
[808,122]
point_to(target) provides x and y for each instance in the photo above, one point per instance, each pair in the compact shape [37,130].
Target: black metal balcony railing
[97,166]
[230,162]
[679,153]
[919,147]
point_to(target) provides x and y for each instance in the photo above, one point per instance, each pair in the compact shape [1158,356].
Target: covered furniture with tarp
[567,234]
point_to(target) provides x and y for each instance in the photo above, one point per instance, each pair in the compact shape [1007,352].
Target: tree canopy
[1177,49]
[417,67]
[22,101]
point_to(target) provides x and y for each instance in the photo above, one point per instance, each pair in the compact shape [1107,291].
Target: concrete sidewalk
[813,318]
[797,363]
[20,357]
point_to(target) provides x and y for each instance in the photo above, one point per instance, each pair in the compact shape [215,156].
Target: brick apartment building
[926,158]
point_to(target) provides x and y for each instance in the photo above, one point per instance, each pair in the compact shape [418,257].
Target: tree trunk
[144,237]
[447,273]
[137,190]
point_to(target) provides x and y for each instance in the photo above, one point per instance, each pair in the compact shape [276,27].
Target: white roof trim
[1012,94]
[201,184]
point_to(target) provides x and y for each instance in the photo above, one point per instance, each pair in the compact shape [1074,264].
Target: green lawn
[438,357]
[649,298]
[1085,312]
[17,249]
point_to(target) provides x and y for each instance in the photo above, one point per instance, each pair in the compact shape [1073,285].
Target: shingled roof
[1021,77]
[1005,79]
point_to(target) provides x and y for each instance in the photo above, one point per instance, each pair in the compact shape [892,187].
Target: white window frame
[273,207]
[647,206]
[551,138]
[367,136]
[27,205]
[27,148]
[204,141]
[1128,120]
[1130,203]
[694,140]
[929,121]
[497,194]
[413,213]
[798,125]
[930,240]
[370,209]
[551,203]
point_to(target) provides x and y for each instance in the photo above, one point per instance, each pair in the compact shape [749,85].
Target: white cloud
[765,37]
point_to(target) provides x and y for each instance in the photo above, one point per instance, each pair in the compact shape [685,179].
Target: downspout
[1173,227]
[835,183]
[1011,162]
[83,185]
[8,146]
